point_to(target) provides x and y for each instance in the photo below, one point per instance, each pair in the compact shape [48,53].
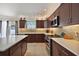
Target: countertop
[72,45]
[48,33]
[31,32]
[9,41]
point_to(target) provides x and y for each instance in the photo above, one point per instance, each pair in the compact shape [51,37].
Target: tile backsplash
[71,30]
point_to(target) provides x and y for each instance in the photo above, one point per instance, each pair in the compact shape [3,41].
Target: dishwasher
[48,45]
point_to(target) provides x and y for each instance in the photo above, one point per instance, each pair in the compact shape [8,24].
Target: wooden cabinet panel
[39,23]
[55,48]
[22,23]
[17,52]
[40,38]
[24,48]
[75,13]
[13,48]
[65,14]
[5,53]
[35,38]
[68,14]
[18,49]
[58,50]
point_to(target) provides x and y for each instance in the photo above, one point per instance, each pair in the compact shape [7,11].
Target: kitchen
[51,31]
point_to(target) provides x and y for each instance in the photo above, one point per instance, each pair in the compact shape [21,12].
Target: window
[31,24]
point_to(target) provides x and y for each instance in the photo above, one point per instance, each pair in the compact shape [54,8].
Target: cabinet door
[24,48]
[55,48]
[40,24]
[65,14]
[40,38]
[58,50]
[75,13]
[17,52]
[22,23]
[5,53]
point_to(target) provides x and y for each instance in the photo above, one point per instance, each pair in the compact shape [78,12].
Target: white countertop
[48,34]
[7,42]
[72,45]
[31,32]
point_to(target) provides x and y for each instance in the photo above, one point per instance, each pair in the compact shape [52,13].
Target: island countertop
[7,42]
[70,44]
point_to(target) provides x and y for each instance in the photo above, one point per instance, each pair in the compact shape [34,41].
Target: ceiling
[30,10]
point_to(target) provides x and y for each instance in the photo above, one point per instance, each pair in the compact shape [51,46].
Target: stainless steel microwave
[55,22]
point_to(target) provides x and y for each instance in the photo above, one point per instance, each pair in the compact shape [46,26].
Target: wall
[71,30]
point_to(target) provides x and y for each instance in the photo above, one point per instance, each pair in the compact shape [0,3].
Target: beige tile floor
[36,49]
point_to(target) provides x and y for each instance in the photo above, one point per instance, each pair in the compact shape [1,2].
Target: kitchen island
[13,45]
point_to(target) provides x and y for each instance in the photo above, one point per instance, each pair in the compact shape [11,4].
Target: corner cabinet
[75,13]
[64,15]
[68,14]
[58,50]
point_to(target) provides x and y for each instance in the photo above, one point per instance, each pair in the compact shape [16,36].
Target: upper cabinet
[22,23]
[68,14]
[75,13]
[39,23]
[64,15]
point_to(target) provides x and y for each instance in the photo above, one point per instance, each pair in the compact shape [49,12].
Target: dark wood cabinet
[58,50]
[68,14]
[5,53]
[35,38]
[55,48]
[39,23]
[75,13]
[17,52]
[24,47]
[22,23]
[18,49]
[14,48]
[64,15]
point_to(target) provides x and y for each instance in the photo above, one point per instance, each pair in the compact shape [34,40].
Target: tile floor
[36,49]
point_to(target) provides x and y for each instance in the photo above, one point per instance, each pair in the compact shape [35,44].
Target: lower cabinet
[18,49]
[5,53]
[24,48]
[17,52]
[58,50]
[36,38]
